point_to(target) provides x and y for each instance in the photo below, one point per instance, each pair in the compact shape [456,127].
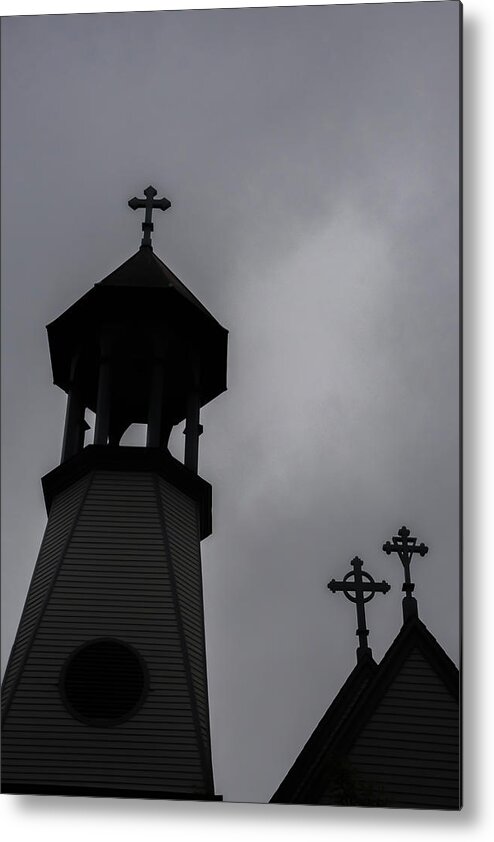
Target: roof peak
[145,269]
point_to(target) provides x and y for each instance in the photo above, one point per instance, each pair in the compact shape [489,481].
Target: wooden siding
[182,530]
[116,578]
[54,541]
[407,753]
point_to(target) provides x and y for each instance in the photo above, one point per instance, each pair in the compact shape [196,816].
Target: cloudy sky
[311,157]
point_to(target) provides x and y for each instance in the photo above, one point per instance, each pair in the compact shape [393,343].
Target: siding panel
[182,526]
[64,511]
[114,580]
[408,751]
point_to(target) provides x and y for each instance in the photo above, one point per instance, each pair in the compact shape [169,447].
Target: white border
[33,7]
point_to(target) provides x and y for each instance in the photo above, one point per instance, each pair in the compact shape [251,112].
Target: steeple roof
[142,291]
[145,269]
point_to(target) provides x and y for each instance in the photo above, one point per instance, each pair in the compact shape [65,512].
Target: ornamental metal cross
[364,587]
[149,203]
[405,547]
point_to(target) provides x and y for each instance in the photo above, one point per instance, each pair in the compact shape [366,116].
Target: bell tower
[105,691]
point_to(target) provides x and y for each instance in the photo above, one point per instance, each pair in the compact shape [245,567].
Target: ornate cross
[359,587]
[405,547]
[149,203]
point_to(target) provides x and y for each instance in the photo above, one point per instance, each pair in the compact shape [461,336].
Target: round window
[104,682]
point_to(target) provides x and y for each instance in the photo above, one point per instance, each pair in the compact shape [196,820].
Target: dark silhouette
[359,587]
[138,348]
[391,737]
[149,203]
[105,692]
[405,547]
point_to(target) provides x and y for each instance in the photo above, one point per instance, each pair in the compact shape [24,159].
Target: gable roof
[298,780]
[400,734]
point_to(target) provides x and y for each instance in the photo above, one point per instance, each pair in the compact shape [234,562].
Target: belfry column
[156,402]
[102,427]
[75,425]
[193,428]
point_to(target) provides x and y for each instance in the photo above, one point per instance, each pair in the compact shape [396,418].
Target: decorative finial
[405,547]
[363,587]
[149,203]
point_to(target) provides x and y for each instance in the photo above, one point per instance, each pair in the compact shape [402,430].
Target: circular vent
[104,682]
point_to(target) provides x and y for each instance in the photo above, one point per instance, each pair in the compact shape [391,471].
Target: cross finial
[359,587]
[149,203]
[405,547]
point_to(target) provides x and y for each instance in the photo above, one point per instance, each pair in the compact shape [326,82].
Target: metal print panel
[243,224]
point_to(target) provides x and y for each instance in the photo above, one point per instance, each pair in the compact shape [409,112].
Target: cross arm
[389,548]
[136,203]
[335,586]
[357,587]
[162,204]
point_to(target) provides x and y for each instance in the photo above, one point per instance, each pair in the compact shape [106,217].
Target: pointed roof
[142,290]
[145,269]
[299,779]
[398,743]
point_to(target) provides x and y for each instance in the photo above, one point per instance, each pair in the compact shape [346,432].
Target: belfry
[106,691]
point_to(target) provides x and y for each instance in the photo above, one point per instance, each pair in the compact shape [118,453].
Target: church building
[106,688]
[391,737]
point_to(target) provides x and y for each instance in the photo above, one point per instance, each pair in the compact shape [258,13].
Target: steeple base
[88,792]
[106,690]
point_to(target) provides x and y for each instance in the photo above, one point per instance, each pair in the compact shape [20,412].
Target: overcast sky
[311,157]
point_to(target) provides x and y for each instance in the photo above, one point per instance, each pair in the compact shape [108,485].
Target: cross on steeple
[405,547]
[363,587]
[149,203]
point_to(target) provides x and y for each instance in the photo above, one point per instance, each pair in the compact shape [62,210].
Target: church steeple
[106,688]
[138,348]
